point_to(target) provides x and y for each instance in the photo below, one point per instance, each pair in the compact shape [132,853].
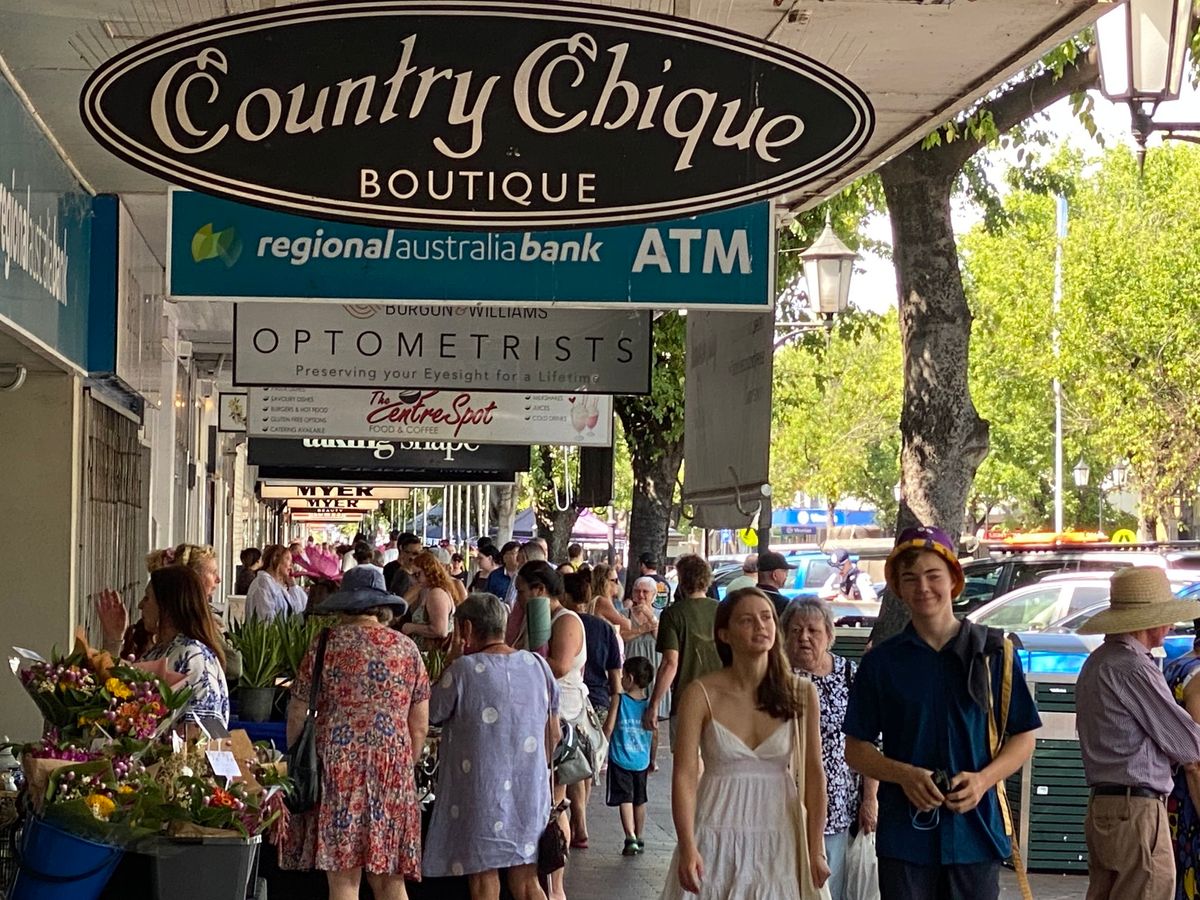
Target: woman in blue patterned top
[175,609]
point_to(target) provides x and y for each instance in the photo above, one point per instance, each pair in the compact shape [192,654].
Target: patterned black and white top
[842,783]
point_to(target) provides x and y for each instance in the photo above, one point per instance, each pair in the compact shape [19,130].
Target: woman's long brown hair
[778,695]
[179,593]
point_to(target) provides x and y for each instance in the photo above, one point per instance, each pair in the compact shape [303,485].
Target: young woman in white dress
[736,826]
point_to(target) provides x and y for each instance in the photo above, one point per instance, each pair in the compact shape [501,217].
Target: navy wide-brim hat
[362,589]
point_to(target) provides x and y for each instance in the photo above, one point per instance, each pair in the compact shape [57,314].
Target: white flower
[186,772]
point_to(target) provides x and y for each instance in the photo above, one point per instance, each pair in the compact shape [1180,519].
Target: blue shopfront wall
[45,237]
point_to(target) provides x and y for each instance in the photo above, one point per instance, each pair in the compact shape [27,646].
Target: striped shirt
[1131,731]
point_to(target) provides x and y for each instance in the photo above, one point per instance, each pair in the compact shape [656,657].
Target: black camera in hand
[941,781]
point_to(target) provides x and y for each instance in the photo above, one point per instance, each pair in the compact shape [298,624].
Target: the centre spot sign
[480,114]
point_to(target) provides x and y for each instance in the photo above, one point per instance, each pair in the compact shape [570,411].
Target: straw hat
[1141,598]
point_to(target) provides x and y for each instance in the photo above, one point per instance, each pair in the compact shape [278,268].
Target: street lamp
[1120,474]
[828,265]
[1082,473]
[1115,481]
[1142,45]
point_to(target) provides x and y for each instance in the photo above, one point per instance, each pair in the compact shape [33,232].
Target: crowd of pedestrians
[553,681]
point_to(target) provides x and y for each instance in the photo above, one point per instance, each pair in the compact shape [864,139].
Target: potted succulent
[262,663]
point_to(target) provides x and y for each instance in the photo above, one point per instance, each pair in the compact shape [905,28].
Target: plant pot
[255,704]
[56,865]
[208,868]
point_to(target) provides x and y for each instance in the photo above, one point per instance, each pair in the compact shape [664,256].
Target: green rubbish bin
[1049,794]
[850,642]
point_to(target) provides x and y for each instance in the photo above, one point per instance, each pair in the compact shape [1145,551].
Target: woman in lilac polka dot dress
[492,803]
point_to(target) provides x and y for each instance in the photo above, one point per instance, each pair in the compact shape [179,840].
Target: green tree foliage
[1009,277]
[836,408]
[1130,340]
[1131,279]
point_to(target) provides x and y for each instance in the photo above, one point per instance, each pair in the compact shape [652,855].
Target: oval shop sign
[482,114]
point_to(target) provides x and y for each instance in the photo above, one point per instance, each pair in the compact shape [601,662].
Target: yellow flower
[102,807]
[117,688]
[125,789]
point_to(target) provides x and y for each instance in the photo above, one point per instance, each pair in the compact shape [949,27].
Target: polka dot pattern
[491,715]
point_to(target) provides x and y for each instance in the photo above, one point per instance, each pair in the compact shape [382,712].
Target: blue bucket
[55,865]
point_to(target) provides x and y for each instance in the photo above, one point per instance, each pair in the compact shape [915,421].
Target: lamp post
[1082,473]
[1142,45]
[828,265]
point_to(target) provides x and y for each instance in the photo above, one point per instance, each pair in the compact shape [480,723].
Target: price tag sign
[224,764]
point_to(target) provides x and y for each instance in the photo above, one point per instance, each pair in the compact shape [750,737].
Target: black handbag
[304,766]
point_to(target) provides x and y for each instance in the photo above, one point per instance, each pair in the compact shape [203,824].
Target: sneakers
[633,846]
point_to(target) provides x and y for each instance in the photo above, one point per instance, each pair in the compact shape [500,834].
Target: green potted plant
[262,663]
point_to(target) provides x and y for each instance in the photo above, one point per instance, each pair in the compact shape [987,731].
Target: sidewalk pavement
[601,870]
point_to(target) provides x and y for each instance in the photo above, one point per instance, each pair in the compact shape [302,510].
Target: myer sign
[482,113]
[218,249]
[444,347]
[274,491]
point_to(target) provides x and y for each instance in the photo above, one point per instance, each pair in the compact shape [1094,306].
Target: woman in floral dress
[373,714]
[807,627]
[1181,806]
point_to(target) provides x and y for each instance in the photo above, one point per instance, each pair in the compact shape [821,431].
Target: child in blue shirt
[629,751]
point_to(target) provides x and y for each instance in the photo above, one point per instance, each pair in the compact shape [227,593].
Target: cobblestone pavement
[601,870]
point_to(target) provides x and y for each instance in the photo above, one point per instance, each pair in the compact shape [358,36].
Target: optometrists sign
[476,113]
[571,419]
[443,347]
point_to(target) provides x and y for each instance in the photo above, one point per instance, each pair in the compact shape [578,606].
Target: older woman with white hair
[498,709]
[641,636]
[807,626]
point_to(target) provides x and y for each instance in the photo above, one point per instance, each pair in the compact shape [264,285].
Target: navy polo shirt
[916,698]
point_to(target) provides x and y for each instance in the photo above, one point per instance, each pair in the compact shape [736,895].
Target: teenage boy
[629,751]
[929,692]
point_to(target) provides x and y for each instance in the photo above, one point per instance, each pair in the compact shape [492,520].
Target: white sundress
[744,825]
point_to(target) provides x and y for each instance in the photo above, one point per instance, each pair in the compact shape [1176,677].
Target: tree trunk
[553,524]
[654,482]
[504,499]
[943,439]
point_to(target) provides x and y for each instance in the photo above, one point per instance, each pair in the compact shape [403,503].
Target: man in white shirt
[848,581]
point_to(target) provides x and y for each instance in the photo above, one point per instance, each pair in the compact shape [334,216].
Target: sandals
[631,847]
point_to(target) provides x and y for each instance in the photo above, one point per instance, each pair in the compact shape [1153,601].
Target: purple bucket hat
[924,538]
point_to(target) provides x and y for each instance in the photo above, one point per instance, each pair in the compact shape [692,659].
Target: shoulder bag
[808,890]
[304,766]
[997,728]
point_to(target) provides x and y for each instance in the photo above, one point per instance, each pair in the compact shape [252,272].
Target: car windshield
[1033,610]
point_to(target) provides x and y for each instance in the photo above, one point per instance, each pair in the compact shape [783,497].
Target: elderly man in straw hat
[1131,732]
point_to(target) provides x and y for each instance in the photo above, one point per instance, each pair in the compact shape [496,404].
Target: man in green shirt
[685,639]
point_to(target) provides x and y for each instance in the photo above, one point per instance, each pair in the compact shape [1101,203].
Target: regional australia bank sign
[485,114]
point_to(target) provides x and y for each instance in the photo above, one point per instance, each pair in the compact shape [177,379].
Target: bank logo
[223,245]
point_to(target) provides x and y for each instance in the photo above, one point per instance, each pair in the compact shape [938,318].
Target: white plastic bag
[862,869]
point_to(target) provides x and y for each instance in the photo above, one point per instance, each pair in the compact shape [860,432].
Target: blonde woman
[134,641]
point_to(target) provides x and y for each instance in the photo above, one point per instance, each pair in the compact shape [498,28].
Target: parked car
[811,573]
[1039,606]
[995,576]
[1059,649]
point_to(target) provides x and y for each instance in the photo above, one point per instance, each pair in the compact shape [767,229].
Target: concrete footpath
[601,870]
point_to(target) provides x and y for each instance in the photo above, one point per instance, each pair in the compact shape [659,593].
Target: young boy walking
[629,751]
